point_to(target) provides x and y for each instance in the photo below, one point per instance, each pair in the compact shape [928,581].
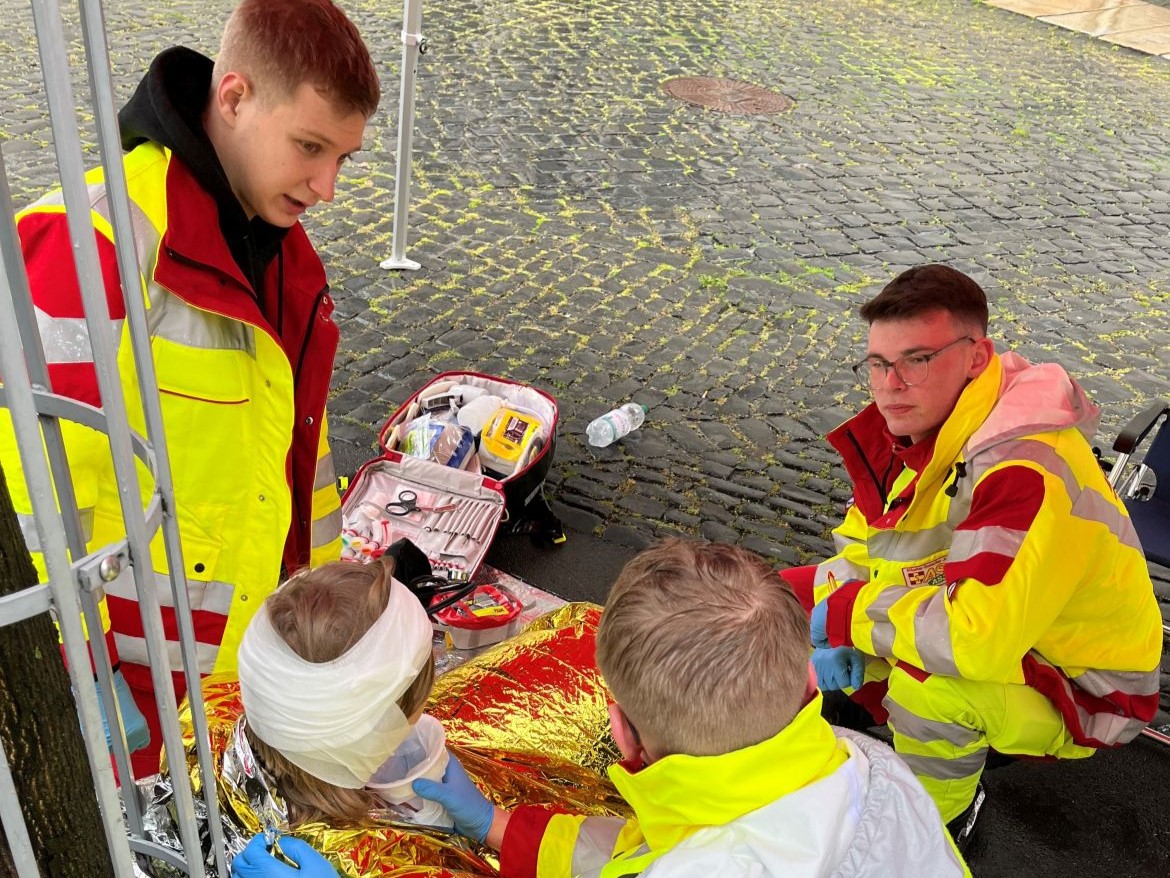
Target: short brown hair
[704,647]
[279,44]
[321,614]
[925,288]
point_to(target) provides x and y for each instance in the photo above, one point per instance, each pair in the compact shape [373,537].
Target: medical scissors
[407,503]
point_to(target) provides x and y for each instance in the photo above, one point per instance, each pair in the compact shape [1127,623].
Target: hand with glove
[255,861]
[816,625]
[840,668]
[468,807]
[137,731]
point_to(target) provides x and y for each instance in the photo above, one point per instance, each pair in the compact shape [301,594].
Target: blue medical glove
[816,624]
[468,807]
[254,861]
[137,731]
[838,668]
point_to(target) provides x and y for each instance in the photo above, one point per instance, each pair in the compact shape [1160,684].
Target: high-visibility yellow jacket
[243,402]
[998,552]
[803,803]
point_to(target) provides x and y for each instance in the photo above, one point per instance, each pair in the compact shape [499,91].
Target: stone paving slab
[1131,23]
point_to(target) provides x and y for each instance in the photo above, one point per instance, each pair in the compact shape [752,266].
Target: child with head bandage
[334,671]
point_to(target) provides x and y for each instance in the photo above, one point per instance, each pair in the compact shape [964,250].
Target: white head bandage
[337,720]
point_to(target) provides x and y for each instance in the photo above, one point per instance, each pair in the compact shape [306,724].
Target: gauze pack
[337,720]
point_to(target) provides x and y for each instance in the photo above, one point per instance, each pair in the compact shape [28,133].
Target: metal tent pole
[415,44]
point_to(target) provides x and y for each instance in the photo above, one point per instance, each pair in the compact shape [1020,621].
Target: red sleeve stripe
[1008,498]
[1091,502]
[1004,506]
[987,568]
[839,619]
[520,849]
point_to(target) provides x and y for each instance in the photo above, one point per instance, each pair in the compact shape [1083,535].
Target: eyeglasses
[911,369]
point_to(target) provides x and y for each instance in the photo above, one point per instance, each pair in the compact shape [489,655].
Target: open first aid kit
[463,458]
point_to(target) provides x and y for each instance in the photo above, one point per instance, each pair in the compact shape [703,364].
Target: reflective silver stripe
[911,725]
[28,527]
[932,636]
[878,612]
[841,569]
[56,198]
[326,529]
[66,339]
[210,596]
[171,318]
[903,546]
[1094,506]
[942,768]
[1102,683]
[146,236]
[1089,504]
[594,847]
[1109,728]
[840,544]
[1000,540]
[1032,450]
[133,650]
[326,475]
[168,316]
[960,505]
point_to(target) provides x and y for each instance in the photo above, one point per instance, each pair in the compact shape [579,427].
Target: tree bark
[41,732]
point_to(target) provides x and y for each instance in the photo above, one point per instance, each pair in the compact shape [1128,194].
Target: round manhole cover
[727,95]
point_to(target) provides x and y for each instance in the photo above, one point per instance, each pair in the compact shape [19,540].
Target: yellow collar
[974,403]
[679,794]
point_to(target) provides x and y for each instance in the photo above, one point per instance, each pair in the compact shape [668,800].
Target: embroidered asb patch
[930,573]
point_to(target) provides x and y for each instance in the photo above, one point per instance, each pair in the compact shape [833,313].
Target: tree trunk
[41,732]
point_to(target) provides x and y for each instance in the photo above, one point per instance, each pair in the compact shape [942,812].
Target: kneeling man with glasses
[988,595]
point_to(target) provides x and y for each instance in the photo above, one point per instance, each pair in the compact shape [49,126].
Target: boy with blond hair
[728,765]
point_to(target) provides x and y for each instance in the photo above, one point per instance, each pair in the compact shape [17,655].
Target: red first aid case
[464,458]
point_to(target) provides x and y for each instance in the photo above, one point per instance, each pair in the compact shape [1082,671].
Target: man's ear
[983,350]
[231,90]
[624,735]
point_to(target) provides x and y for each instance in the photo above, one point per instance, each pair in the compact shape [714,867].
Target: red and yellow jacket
[243,401]
[801,804]
[998,552]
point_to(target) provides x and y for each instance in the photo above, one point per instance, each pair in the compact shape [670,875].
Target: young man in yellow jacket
[729,767]
[988,584]
[222,160]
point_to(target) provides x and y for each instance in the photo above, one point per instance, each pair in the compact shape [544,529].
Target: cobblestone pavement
[581,230]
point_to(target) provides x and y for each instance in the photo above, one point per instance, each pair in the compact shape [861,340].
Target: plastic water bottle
[614,425]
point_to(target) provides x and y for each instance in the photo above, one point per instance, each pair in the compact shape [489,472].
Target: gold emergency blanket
[528,719]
